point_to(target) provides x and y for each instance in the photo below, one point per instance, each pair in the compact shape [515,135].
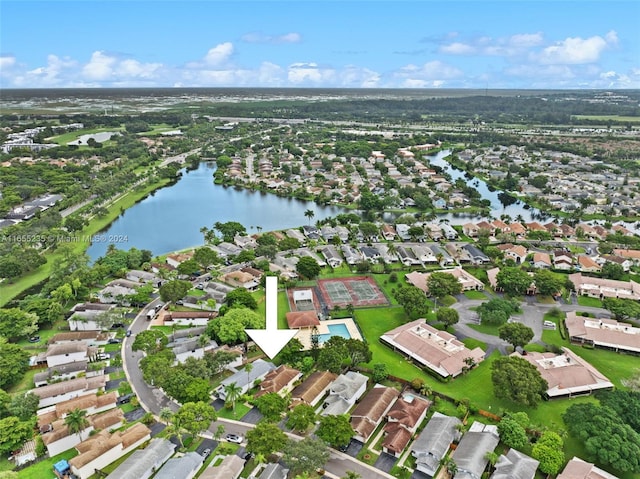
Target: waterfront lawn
[124,201]
[74,135]
[587,301]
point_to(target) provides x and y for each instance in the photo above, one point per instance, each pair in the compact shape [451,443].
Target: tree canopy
[516,334]
[240,297]
[266,438]
[413,300]
[230,328]
[308,267]
[172,291]
[548,450]
[517,379]
[513,281]
[443,284]
[335,430]
[305,456]
[149,341]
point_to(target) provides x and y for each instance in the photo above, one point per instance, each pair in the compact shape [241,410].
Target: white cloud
[488,46]
[134,69]
[576,50]
[258,37]
[100,67]
[219,54]
[309,73]
[6,61]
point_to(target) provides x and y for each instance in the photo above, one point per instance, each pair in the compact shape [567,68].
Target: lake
[170,218]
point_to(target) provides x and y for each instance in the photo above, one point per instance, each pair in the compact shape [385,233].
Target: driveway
[354,448]
[420,475]
[207,444]
[385,462]
[252,417]
[135,415]
[157,428]
[113,384]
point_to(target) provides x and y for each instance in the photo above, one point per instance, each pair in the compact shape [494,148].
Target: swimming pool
[335,330]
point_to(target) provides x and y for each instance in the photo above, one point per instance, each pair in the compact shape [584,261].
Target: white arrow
[272,339]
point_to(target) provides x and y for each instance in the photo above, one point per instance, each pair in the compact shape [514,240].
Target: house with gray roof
[245,380]
[183,467]
[351,255]
[274,471]
[443,255]
[343,233]
[407,256]
[515,465]
[344,392]
[470,455]
[332,256]
[476,256]
[229,468]
[297,235]
[449,231]
[434,441]
[142,463]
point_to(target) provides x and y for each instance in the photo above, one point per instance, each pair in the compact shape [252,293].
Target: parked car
[114,341]
[234,438]
[117,325]
[128,333]
[206,452]
[34,339]
[126,398]
[102,356]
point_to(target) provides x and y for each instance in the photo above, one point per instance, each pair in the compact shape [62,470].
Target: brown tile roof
[277,379]
[107,419]
[517,228]
[60,349]
[627,253]
[396,438]
[576,468]
[539,257]
[188,314]
[436,349]
[586,262]
[603,332]
[408,413]
[368,414]
[312,386]
[302,319]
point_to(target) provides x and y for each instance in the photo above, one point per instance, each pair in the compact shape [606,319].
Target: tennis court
[357,291]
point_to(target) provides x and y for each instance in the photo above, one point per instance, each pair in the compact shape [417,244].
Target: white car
[102,356]
[234,438]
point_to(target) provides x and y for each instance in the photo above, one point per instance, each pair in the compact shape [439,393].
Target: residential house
[65,390]
[566,230]
[351,255]
[230,468]
[567,374]
[302,252]
[84,316]
[91,338]
[517,253]
[541,260]
[175,259]
[610,258]
[245,242]
[331,255]
[344,391]
[244,379]
[407,256]
[437,350]
[103,448]
[274,471]
[370,412]
[297,235]
[369,253]
[343,233]
[588,265]
[449,232]
[403,231]
[312,389]
[576,468]
[280,381]
[515,465]
[630,254]
[145,277]
[188,318]
[328,232]
[63,372]
[241,279]
[69,352]
[434,441]
[470,455]
[562,260]
[434,231]
[442,256]
[424,254]
[477,256]
[470,230]
[603,333]
[92,404]
[403,419]
[193,347]
[142,463]
[518,230]
[388,232]
[605,288]
[59,438]
[311,232]
[115,294]
[183,467]
[217,291]
[466,280]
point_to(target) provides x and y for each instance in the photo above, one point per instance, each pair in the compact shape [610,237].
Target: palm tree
[351,475]
[166,414]
[175,428]
[450,465]
[232,393]
[309,214]
[248,368]
[76,421]
[492,457]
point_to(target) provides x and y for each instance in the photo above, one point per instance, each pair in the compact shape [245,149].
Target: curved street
[153,400]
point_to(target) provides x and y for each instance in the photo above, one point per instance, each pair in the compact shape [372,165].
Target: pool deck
[304,335]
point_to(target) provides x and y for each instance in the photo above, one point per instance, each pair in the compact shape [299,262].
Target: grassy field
[491,329]
[74,135]
[587,301]
[11,290]
[44,469]
[606,118]
[475,295]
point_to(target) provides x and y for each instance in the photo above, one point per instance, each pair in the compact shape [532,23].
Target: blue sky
[370,44]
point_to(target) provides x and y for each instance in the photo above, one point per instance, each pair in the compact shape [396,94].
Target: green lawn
[491,329]
[74,135]
[587,301]
[241,410]
[472,343]
[475,295]
[44,469]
